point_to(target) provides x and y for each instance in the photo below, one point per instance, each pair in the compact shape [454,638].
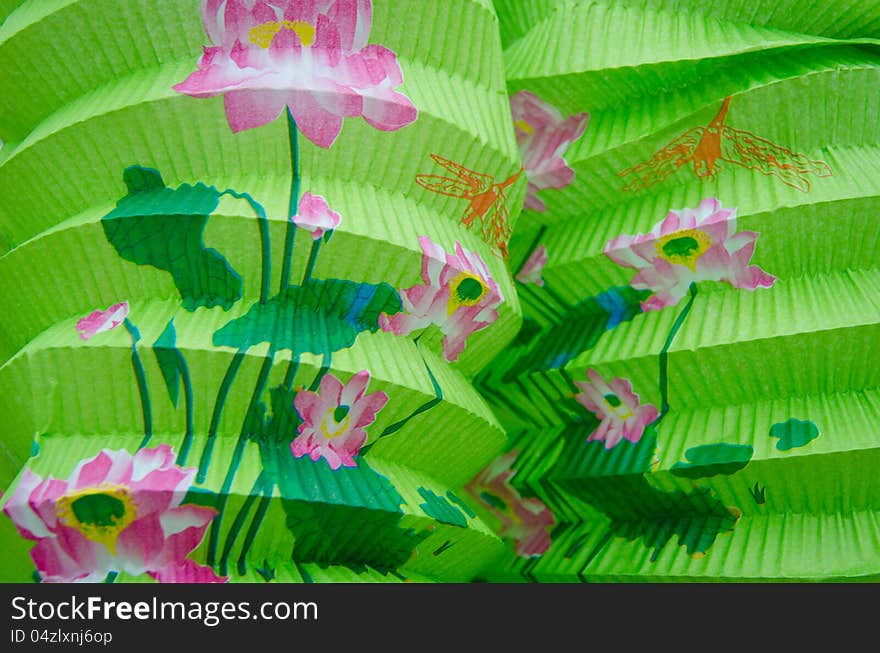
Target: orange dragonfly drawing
[488,200]
[705,147]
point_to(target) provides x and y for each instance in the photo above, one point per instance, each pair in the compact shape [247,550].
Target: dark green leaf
[165,349]
[322,317]
[713,459]
[440,509]
[794,433]
[163,227]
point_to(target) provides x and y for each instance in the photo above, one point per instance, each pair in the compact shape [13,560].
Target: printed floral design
[533,267]
[457,294]
[311,57]
[334,418]
[99,321]
[618,408]
[315,215]
[527,521]
[688,246]
[115,513]
[543,136]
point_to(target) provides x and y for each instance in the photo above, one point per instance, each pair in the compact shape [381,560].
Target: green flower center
[99,513]
[684,247]
[466,289]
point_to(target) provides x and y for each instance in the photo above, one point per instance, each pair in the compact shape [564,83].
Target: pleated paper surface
[252,255]
[694,392]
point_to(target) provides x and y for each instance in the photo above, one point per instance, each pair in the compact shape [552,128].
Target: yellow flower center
[263,34]
[335,422]
[467,289]
[524,126]
[99,513]
[684,247]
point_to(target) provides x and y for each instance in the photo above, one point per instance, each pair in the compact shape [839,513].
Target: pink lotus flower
[310,56]
[533,267]
[334,419]
[689,245]
[458,295]
[618,408]
[98,321]
[115,512]
[543,136]
[527,521]
[315,215]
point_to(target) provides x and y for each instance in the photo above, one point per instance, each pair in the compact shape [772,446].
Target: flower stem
[238,523]
[237,454]
[257,521]
[664,353]
[188,397]
[140,378]
[292,368]
[313,257]
[265,240]
[394,428]
[325,366]
[219,403]
[293,202]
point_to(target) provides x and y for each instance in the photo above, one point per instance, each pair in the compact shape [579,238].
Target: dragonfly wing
[755,153]
[477,181]
[664,162]
[445,186]
[496,225]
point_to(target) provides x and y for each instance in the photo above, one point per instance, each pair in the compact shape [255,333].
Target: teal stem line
[186,445]
[664,353]
[254,528]
[292,369]
[293,203]
[111,576]
[313,258]
[217,413]
[325,366]
[306,576]
[394,428]
[238,522]
[140,377]
[237,454]
[265,240]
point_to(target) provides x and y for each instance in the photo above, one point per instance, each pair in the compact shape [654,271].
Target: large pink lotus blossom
[308,55]
[115,513]
[314,215]
[543,136]
[526,521]
[99,321]
[457,294]
[687,246]
[334,418]
[533,268]
[618,408]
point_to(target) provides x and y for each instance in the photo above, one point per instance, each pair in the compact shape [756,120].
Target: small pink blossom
[310,56]
[315,215]
[617,407]
[526,521]
[533,268]
[688,246]
[115,513]
[99,321]
[334,418]
[543,136]
[458,294]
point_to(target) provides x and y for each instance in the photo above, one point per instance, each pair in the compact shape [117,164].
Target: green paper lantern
[691,396]
[242,303]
